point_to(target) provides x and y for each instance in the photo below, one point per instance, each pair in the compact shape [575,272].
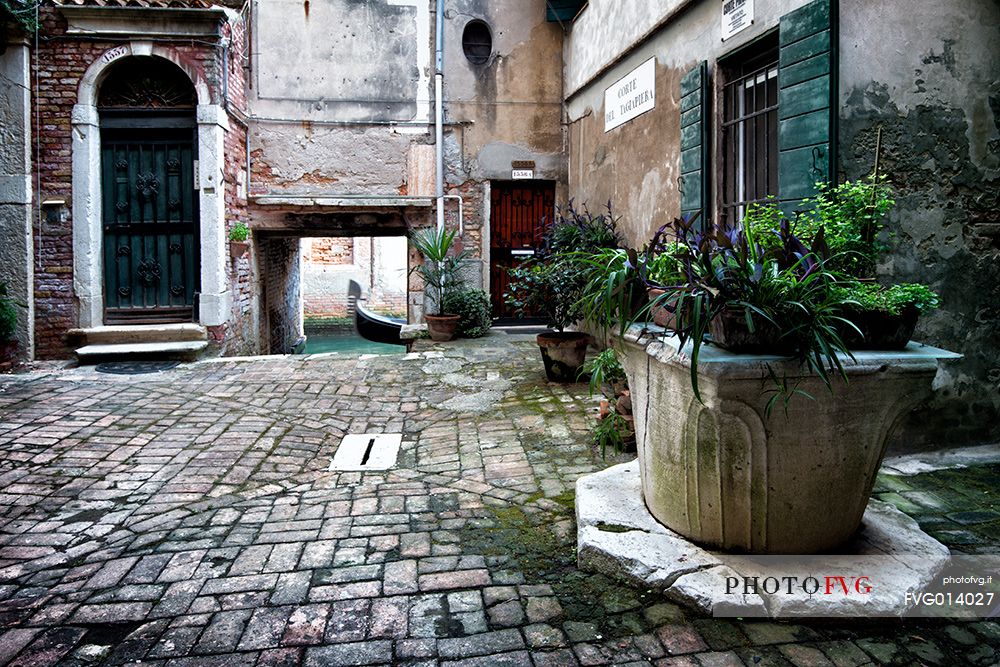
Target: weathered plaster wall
[605,30]
[341,59]
[927,75]
[16,251]
[511,106]
[363,124]
[935,92]
[636,165]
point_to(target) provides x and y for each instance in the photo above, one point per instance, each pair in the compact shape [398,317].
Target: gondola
[372,326]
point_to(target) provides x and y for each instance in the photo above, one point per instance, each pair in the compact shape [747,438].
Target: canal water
[345,341]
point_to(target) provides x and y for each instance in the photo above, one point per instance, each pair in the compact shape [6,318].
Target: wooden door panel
[150,221]
[519,212]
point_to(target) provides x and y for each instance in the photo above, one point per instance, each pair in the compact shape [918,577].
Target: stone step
[186,350]
[138,333]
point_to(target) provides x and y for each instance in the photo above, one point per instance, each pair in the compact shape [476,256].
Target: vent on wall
[477,42]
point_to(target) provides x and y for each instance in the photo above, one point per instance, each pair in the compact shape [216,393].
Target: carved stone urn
[721,473]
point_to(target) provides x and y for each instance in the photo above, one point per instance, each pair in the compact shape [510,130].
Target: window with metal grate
[749,129]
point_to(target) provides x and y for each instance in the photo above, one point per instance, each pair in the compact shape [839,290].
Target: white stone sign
[736,15]
[522,174]
[630,96]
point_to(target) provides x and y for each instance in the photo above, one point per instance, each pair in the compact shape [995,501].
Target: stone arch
[212,123]
[90,82]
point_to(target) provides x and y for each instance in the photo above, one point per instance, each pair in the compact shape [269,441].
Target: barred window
[749,129]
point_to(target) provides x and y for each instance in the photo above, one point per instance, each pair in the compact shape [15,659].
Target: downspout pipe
[439,111]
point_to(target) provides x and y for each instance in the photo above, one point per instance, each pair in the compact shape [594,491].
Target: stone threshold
[618,537]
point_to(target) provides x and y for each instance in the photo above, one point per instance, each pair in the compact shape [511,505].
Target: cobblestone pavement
[189,518]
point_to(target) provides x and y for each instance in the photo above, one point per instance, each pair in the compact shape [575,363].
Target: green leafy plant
[664,267]
[892,299]
[23,12]
[8,315]
[850,215]
[574,230]
[441,268]
[611,431]
[553,281]
[604,369]
[239,232]
[474,310]
[612,293]
[784,291]
[552,287]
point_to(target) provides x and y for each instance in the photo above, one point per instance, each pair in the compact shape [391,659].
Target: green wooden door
[150,219]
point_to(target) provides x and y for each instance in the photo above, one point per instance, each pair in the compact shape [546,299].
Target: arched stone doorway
[212,300]
[149,202]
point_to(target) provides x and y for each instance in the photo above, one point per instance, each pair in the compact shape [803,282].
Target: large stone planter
[718,472]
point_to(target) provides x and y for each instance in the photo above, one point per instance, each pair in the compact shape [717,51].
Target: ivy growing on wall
[22,12]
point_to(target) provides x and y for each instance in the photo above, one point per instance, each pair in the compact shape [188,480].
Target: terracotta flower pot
[563,353]
[880,330]
[661,315]
[442,327]
[238,248]
[729,330]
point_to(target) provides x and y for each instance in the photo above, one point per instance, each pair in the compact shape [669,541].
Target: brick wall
[242,331]
[378,265]
[330,251]
[62,61]
[280,267]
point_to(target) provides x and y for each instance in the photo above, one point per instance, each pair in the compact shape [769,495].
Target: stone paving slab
[189,518]
[618,536]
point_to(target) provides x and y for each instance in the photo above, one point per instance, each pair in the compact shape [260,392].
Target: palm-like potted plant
[440,271]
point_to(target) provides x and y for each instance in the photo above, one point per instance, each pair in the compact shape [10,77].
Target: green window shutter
[563,10]
[807,108]
[694,142]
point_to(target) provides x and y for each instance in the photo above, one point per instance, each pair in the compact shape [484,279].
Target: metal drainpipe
[439,111]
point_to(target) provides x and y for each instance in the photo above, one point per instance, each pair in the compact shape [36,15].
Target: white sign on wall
[736,15]
[630,96]
[522,174]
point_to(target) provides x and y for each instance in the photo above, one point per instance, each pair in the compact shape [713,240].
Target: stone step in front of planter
[618,537]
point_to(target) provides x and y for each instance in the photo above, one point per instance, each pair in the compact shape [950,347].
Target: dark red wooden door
[519,211]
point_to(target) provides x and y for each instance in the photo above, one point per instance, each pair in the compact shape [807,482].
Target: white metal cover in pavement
[367,451]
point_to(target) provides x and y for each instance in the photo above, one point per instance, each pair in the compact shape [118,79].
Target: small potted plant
[473,309]
[554,282]
[239,235]
[850,214]
[440,271]
[553,287]
[615,425]
[884,317]
[661,270]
